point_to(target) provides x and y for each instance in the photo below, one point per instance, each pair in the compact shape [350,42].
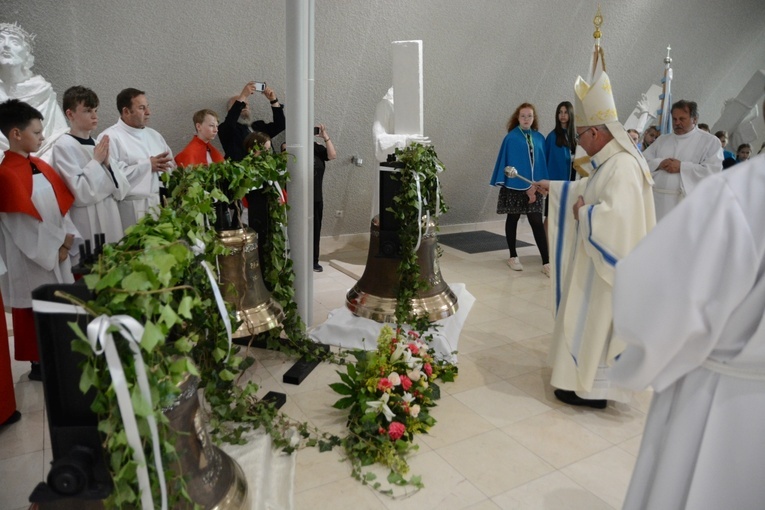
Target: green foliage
[155,274]
[420,195]
[388,394]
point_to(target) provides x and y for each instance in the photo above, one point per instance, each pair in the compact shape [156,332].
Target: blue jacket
[515,152]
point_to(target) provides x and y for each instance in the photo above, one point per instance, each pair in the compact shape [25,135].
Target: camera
[316,131]
[260,86]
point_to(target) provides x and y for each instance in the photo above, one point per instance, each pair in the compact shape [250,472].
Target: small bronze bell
[374,295]
[213,479]
[241,284]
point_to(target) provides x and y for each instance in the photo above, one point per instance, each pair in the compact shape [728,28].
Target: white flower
[414,411]
[398,352]
[424,383]
[408,398]
[414,374]
[394,378]
[381,405]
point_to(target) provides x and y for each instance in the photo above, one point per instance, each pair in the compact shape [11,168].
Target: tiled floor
[501,441]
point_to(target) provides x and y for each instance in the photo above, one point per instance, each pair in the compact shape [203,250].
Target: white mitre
[594,105]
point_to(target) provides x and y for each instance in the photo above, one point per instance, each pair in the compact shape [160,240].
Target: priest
[593,223]
[140,154]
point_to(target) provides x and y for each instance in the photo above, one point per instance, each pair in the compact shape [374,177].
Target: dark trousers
[257,220]
[537,228]
[318,213]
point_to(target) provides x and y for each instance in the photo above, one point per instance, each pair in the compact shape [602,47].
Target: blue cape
[515,152]
[558,159]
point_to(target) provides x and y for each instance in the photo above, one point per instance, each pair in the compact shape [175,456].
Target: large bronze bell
[241,284]
[213,479]
[374,295]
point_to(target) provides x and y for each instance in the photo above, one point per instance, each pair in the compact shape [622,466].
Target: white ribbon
[221,304]
[417,176]
[102,341]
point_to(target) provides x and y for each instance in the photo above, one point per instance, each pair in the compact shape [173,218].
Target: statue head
[16,45]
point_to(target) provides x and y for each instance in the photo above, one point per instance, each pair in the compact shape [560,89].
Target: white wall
[482,58]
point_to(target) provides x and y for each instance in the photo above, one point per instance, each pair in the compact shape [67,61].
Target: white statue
[18,82]
[383,129]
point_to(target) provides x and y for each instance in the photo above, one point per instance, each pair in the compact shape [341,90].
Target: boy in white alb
[85,168]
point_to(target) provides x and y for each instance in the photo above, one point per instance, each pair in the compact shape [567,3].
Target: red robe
[195,153]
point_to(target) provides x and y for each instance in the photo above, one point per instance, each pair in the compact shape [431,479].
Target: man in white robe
[593,223]
[85,166]
[681,159]
[689,303]
[140,154]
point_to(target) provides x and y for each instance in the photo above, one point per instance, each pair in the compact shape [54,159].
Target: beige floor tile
[473,339]
[632,446]
[486,504]
[616,423]
[515,329]
[20,475]
[317,407]
[557,439]
[537,384]
[345,494]
[605,474]
[550,492]
[494,462]
[29,396]
[314,468]
[470,376]
[501,403]
[24,436]
[445,488]
[455,422]
[506,361]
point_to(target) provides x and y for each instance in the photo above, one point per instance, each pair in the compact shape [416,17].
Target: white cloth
[130,149]
[345,330]
[37,92]
[702,446]
[701,156]
[30,247]
[618,212]
[95,189]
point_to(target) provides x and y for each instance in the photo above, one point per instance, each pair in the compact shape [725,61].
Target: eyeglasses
[577,136]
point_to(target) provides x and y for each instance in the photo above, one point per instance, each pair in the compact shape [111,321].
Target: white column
[408,87]
[299,116]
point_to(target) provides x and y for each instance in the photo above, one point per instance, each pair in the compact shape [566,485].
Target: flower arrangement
[388,394]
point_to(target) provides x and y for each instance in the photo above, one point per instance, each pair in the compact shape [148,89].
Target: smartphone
[315,130]
[260,86]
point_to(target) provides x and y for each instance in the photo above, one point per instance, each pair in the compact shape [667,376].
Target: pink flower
[413,347]
[384,384]
[381,431]
[414,334]
[406,383]
[396,430]
[428,369]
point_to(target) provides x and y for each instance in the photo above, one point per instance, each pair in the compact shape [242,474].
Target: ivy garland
[156,275]
[420,195]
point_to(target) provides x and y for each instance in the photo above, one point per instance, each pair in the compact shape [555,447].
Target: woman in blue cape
[560,144]
[522,148]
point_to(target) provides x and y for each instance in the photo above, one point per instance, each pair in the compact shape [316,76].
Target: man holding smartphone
[238,124]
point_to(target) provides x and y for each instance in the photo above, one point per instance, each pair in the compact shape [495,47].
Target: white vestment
[131,149]
[37,92]
[701,156]
[30,247]
[618,212]
[689,302]
[96,189]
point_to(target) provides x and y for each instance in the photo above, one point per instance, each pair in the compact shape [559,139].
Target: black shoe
[572,399]
[317,268]
[16,416]
[35,374]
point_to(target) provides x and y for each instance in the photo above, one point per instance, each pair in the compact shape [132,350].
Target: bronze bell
[374,295]
[213,479]
[241,284]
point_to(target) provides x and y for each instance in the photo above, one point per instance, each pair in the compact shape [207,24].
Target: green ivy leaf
[341,388]
[152,335]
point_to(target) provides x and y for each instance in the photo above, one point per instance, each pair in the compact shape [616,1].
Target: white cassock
[30,247]
[701,156]
[95,187]
[689,303]
[131,149]
[617,214]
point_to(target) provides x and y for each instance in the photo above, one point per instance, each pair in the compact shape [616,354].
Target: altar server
[37,236]
[694,324]
[96,184]
[199,151]
[140,154]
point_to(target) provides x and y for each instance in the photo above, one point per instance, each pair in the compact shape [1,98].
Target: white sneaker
[515,264]
[546,269]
